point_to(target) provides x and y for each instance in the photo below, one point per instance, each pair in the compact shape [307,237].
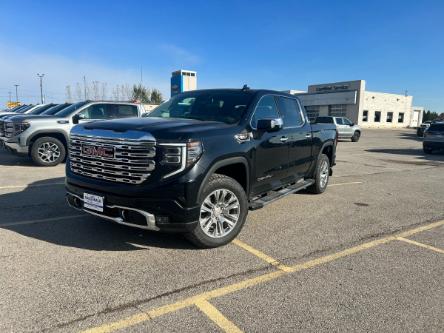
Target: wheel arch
[60,135]
[234,167]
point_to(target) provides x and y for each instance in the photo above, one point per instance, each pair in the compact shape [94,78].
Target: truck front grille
[114,160]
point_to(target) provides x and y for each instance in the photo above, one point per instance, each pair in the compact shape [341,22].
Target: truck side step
[275,195]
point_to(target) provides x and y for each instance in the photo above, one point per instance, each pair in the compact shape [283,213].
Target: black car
[434,137]
[199,162]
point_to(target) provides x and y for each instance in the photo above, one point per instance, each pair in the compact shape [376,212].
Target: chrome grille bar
[133,160]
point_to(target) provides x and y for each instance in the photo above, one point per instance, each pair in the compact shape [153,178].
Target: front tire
[322,174]
[356,136]
[427,150]
[48,151]
[223,211]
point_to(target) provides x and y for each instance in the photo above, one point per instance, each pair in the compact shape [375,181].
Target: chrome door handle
[284,139]
[308,135]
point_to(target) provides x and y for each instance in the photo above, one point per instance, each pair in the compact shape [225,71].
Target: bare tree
[79,93]
[116,93]
[68,93]
[95,90]
[103,91]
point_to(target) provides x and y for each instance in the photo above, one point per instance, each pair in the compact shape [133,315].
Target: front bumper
[148,213]
[16,148]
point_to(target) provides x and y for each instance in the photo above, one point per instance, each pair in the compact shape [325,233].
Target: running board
[278,194]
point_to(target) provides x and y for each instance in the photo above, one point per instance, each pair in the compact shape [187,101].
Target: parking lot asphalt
[367,255]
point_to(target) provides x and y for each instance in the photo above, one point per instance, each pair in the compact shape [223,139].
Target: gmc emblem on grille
[97,151]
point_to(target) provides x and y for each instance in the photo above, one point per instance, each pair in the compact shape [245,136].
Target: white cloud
[180,55]
[18,66]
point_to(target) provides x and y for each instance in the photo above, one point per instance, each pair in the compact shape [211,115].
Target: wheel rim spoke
[219,213]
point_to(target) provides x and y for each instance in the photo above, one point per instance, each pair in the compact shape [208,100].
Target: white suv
[346,128]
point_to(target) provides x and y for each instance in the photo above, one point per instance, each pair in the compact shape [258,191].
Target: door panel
[299,135]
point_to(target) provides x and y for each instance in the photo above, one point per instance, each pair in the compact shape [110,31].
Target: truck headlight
[13,129]
[194,152]
[177,157]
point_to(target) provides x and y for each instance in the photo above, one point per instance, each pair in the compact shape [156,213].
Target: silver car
[346,128]
[44,138]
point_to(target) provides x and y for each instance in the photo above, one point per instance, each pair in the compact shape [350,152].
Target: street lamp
[16,93]
[41,86]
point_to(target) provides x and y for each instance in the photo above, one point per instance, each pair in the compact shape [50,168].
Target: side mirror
[270,125]
[352,124]
[75,119]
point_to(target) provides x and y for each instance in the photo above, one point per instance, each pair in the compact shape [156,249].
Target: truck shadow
[54,222]
[9,159]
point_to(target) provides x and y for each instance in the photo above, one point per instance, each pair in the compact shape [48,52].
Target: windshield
[41,109]
[26,108]
[70,109]
[55,109]
[221,106]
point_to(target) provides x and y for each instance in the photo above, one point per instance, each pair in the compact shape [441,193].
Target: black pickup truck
[199,162]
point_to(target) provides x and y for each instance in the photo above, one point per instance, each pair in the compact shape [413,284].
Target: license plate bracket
[93,202]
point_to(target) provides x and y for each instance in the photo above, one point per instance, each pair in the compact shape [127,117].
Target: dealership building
[368,109]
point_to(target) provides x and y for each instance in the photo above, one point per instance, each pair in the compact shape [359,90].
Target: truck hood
[20,118]
[161,128]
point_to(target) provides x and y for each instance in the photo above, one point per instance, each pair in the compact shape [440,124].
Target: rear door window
[339,121]
[291,112]
[122,111]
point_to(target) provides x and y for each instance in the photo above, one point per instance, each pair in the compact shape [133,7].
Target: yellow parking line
[217,317]
[218,292]
[420,244]
[261,255]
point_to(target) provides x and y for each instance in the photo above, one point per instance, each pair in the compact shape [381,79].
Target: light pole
[16,93]
[41,86]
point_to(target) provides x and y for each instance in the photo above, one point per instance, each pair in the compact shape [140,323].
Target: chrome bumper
[76,202]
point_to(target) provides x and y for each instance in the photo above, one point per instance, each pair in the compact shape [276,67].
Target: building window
[389,117]
[337,110]
[401,117]
[377,116]
[312,112]
[365,116]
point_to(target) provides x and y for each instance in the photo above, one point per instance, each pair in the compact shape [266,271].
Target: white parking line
[350,183]
[23,186]
[50,219]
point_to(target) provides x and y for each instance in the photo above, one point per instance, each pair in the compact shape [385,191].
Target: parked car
[197,163]
[44,138]
[346,128]
[434,137]
[20,109]
[421,129]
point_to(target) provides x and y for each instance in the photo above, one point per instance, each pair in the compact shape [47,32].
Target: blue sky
[393,45]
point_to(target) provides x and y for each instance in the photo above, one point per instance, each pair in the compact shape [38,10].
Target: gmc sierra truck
[45,138]
[199,162]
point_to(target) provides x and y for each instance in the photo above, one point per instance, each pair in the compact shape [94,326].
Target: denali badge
[97,151]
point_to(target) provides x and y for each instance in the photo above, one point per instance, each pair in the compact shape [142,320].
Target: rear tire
[356,136]
[48,151]
[223,211]
[427,150]
[321,176]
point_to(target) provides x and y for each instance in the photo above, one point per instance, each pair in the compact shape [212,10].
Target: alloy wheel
[219,213]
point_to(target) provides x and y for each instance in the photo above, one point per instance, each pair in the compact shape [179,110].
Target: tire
[356,136]
[206,233]
[427,150]
[321,176]
[48,151]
